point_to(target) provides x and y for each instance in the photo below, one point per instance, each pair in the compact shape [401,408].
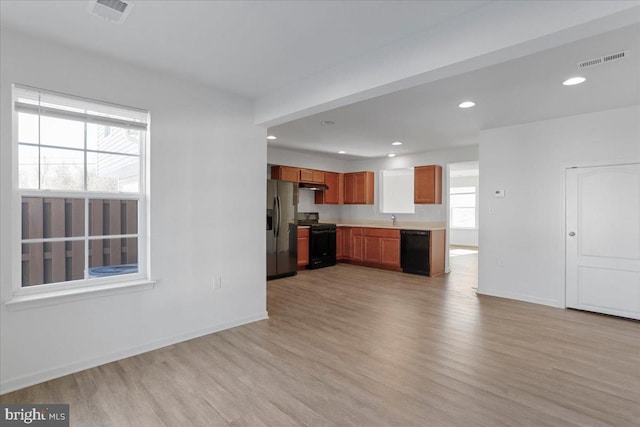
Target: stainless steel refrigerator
[282,229]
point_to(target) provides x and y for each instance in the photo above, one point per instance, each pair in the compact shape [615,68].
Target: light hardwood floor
[351,345]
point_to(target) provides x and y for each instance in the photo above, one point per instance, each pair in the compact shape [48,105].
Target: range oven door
[322,247]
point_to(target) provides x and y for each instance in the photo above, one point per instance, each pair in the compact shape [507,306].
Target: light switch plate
[499,193]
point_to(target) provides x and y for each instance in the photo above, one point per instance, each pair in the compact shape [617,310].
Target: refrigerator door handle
[279,214]
[276,217]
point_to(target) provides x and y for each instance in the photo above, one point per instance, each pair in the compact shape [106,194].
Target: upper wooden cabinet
[285,173]
[312,176]
[427,185]
[335,194]
[358,188]
[354,188]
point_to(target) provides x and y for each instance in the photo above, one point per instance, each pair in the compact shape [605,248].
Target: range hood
[315,187]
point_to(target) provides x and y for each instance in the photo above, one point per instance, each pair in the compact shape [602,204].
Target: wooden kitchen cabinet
[358,188]
[372,250]
[339,243]
[382,247]
[285,173]
[346,242]
[317,177]
[427,185]
[335,194]
[311,176]
[390,252]
[303,247]
[437,250]
[357,240]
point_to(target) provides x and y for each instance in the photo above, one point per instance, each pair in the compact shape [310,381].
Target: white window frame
[475,207]
[74,287]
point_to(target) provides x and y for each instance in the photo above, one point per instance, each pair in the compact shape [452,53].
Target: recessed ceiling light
[391,154]
[271,137]
[342,152]
[396,143]
[574,81]
[466,104]
[327,122]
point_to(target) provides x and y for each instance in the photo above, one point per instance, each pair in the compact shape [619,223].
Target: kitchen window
[463,207]
[80,194]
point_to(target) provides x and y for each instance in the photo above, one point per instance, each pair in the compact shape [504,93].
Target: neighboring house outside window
[80,198]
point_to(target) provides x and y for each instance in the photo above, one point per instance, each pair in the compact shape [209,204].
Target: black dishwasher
[414,251]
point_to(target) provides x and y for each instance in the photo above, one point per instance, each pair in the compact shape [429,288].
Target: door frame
[566,167]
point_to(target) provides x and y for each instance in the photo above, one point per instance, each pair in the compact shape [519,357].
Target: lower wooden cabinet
[374,247]
[346,242]
[357,252]
[390,252]
[303,247]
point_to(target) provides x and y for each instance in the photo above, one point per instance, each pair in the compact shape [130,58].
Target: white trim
[44,298]
[520,297]
[88,286]
[13,384]
[79,194]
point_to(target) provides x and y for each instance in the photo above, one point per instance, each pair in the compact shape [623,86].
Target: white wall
[428,213]
[207,217]
[522,235]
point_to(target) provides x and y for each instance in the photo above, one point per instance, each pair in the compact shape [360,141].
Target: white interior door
[603,239]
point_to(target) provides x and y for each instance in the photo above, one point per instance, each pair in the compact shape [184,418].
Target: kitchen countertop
[423,226]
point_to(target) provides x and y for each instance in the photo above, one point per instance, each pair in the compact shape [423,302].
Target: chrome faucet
[393,219]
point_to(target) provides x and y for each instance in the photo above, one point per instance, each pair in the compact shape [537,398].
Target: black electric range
[322,241]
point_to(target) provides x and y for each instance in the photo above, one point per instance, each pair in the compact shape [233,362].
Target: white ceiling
[298,57]
[522,90]
[246,47]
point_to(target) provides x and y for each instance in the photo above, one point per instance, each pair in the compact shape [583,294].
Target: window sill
[24,302]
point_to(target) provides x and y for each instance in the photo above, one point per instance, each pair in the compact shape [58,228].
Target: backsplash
[351,213]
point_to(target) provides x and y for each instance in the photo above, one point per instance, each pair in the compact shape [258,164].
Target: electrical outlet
[217,283]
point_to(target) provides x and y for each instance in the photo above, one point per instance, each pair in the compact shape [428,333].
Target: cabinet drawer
[382,232]
[356,231]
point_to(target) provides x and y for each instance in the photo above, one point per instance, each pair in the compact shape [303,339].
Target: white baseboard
[7,386]
[521,297]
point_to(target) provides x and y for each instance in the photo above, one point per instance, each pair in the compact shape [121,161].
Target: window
[463,207]
[81,190]
[396,191]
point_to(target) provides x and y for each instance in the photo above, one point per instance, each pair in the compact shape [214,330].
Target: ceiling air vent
[602,59]
[115,11]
